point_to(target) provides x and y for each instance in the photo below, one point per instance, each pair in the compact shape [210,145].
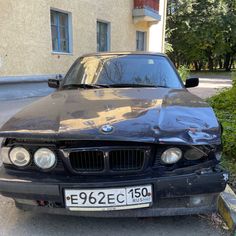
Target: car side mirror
[191,82]
[55,83]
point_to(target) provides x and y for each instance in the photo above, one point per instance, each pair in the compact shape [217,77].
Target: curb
[227,208]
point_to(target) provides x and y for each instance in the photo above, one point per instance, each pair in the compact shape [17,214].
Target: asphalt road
[16,222]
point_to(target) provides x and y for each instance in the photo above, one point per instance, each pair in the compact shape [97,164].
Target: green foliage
[184,72]
[202,32]
[168,48]
[224,104]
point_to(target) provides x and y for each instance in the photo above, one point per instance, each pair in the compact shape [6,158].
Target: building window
[60,32]
[140,41]
[103,37]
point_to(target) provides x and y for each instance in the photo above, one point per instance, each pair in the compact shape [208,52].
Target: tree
[201,32]
[229,22]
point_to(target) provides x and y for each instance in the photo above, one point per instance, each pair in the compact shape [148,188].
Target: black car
[121,137]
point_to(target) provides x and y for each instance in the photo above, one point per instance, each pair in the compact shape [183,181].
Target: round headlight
[19,156]
[171,155]
[44,158]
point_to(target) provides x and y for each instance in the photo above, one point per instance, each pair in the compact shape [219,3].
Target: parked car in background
[121,136]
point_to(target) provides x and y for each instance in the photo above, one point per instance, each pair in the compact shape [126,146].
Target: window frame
[144,41]
[69,31]
[108,34]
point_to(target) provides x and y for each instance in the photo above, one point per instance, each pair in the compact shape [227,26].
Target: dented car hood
[153,115]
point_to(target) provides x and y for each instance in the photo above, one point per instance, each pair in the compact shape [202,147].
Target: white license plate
[108,199]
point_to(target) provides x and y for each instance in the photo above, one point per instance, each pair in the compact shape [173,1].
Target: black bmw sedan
[120,137]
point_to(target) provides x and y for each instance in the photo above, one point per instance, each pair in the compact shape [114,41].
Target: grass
[224,105]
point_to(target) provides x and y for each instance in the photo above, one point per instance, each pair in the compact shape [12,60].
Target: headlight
[19,156]
[4,155]
[193,154]
[171,155]
[44,158]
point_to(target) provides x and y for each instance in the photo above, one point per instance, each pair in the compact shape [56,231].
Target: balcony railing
[147,4]
[146,11]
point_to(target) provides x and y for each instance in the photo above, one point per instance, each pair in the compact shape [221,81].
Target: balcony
[146,11]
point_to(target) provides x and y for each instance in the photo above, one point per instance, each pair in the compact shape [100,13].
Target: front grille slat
[87,161]
[119,160]
[128,160]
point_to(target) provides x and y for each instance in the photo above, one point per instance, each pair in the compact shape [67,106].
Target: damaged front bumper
[172,195]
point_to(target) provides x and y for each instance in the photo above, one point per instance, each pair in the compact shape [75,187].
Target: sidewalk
[209,87]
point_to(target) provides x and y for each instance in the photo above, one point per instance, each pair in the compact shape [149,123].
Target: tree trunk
[196,66]
[200,66]
[210,63]
[210,59]
[220,64]
[227,66]
[231,63]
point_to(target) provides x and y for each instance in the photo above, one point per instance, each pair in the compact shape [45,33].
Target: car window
[123,69]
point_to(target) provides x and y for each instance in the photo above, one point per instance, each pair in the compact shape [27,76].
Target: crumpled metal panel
[154,115]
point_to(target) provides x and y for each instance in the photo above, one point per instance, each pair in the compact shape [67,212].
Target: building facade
[44,37]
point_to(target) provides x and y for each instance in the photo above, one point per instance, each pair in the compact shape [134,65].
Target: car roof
[124,53]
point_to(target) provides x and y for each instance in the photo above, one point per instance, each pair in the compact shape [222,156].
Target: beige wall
[25,33]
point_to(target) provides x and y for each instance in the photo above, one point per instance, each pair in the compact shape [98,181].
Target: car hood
[136,114]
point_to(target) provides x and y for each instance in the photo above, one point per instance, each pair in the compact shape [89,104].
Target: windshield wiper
[134,86]
[97,86]
[85,86]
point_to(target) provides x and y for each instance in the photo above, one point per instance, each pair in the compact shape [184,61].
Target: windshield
[123,71]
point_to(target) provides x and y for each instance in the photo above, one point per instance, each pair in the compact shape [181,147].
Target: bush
[184,72]
[224,105]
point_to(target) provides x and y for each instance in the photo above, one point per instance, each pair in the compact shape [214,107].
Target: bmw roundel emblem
[107,129]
